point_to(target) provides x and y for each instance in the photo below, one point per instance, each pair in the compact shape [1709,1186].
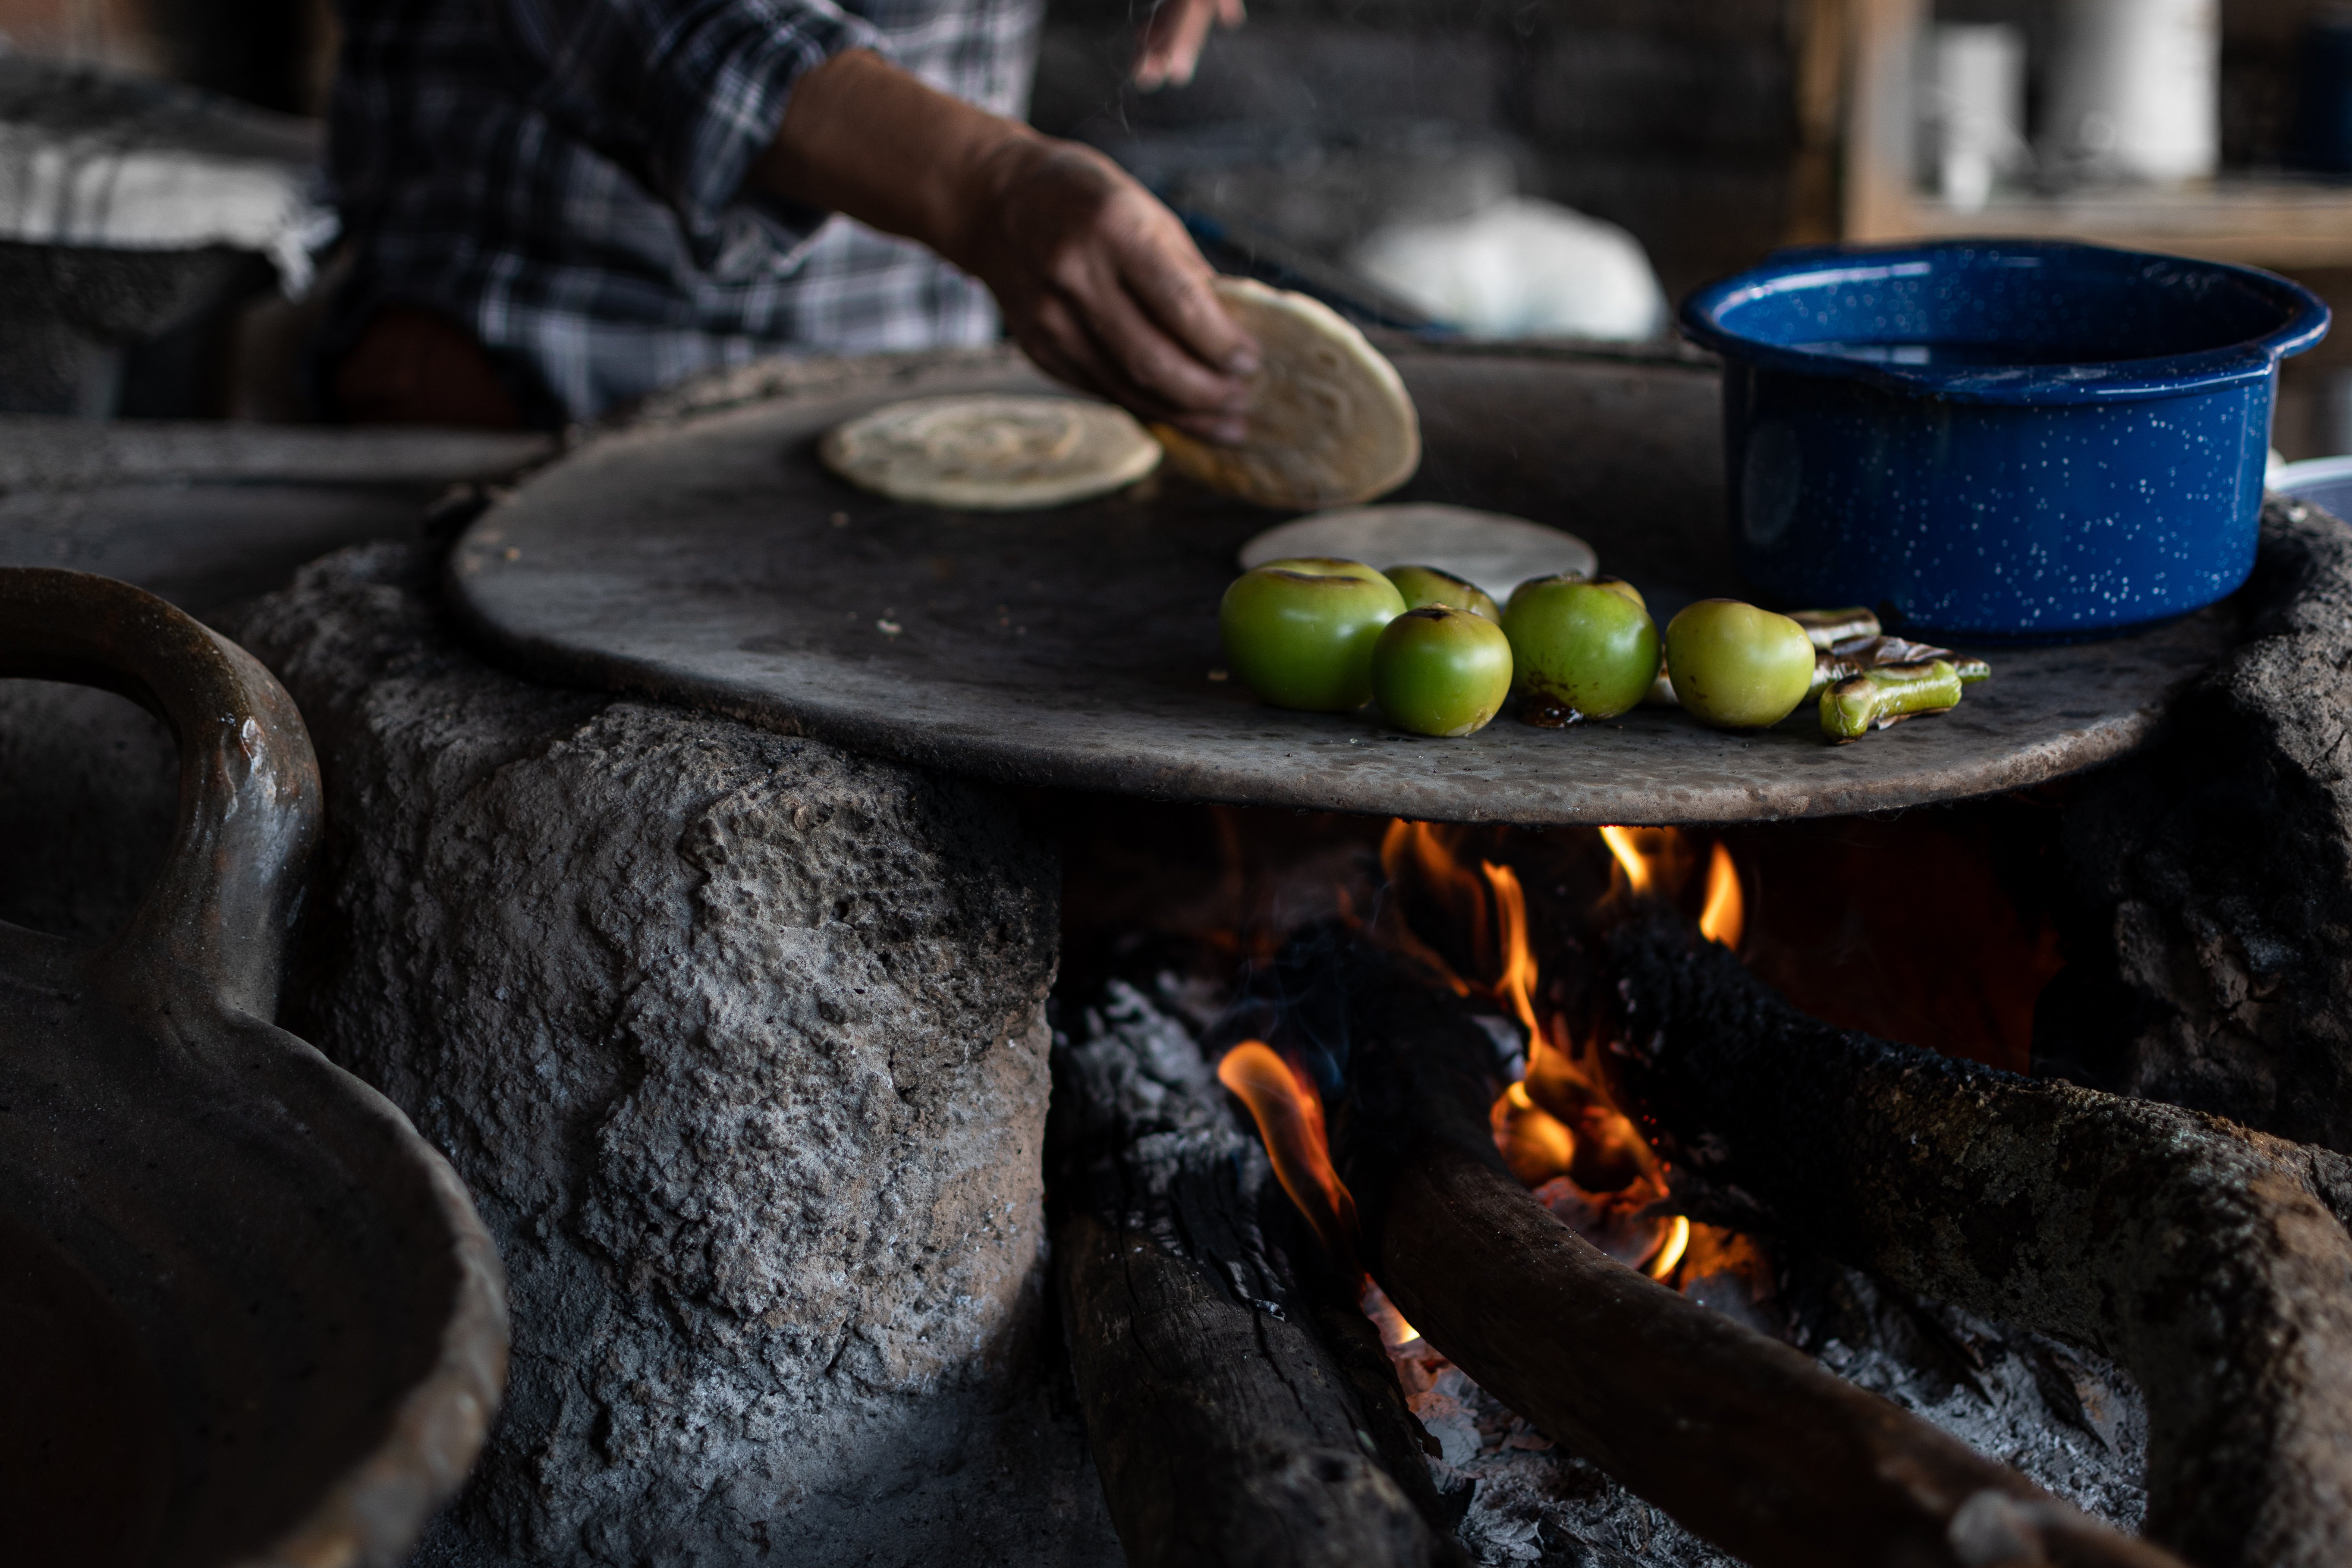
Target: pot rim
[2304,321]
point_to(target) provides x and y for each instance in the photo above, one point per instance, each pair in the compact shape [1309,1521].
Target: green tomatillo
[1303,638]
[1428,586]
[1736,666]
[1579,649]
[1324,566]
[1439,670]
[1619,585]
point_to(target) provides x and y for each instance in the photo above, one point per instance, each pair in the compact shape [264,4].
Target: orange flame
[1289,1115]
[1413,856]
[1535,1144]
[1416,853]
[1630,858]
[1653,860]
[1670,1252]
[1725,915]
[1517,983]
[1560,1129]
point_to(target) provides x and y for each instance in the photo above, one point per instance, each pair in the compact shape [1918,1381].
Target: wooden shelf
[2286,223]
[2265,223]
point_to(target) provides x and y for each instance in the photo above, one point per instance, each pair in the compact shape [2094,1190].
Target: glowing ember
[1395,1333]
[1289,1115]
[1726,917]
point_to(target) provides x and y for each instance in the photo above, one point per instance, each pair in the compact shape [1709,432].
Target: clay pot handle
[214,924]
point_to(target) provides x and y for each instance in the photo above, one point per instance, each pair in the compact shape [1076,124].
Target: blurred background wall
[273,54]
[1686,136]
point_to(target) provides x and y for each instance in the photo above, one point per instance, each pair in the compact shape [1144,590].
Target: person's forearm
[1098,282]
[861,136]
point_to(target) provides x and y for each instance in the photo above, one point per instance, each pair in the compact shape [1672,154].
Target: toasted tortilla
[1330,422]
[992,451]
[1495,550]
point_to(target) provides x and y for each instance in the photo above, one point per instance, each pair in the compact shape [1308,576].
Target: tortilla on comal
[1330,422]
[992,451]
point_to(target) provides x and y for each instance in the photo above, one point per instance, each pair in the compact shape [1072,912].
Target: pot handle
[219,913]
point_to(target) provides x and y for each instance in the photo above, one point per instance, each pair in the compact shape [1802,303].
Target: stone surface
[712,560]
[206,514]
[2211,937]
[738,1041]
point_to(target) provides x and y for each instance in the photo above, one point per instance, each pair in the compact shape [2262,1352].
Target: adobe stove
[1468,1165]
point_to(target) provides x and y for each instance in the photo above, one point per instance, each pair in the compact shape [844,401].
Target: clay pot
[247,1315]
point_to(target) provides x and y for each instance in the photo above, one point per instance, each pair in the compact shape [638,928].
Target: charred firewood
[2210,1263]
[1240,1408]
[1744,1441]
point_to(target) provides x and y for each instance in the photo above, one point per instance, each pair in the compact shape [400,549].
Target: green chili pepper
[1884,695]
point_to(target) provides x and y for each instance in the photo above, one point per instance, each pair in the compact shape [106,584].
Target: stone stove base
[738,1041]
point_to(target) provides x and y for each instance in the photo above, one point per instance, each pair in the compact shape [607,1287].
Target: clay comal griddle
[709,559]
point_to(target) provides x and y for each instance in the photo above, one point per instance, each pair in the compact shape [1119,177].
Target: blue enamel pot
[1998,439]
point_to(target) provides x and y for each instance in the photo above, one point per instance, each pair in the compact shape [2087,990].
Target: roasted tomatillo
[1736,666]
[1619,585]
[1324,566]
[1438,670]
[1303,639]
[1579,650]
[1428,586]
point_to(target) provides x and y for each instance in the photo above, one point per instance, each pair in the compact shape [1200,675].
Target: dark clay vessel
[247,1316]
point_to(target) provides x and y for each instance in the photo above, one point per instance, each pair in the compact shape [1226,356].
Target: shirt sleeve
[686,94]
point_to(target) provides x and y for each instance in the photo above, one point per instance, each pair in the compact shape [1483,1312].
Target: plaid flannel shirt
[566,177]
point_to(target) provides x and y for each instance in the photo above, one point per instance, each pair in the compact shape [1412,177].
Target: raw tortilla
[1490,549]
[1330,422]
[990,451]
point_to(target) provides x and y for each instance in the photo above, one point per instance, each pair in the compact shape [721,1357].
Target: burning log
[2212,1263]
[1239,1406]
[1744,1441]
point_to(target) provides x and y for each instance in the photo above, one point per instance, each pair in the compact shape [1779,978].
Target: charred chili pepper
[1825,628]
[1887,694]
[1851,657]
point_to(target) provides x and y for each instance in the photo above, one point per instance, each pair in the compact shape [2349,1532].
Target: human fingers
[1173,35]
[1162,268]
[1154,362]
[1055,334]
[1112,231]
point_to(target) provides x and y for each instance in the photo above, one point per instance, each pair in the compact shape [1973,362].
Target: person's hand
[1172,37]
[1102,287]
[1098,281]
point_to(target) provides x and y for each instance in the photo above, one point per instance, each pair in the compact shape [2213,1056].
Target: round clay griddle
[708,559]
